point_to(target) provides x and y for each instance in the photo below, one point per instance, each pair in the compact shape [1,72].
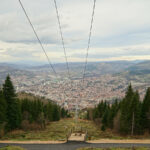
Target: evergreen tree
[105,116]
[145,113]
[63,113]
[112,113]
[101,109]
[26,109]
[56,113]
[135,109]
[126,117]
[37,109]
[2,108]
[12,104]
[49,111]
[129,116]
[95,113]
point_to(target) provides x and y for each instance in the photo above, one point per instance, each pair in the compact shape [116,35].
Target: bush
[30,126]
[2,130]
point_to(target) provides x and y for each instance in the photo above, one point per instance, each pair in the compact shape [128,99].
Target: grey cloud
[115,52]
[116,24]
[18,53]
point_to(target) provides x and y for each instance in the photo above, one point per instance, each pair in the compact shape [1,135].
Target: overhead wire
[62,38]
[38,39]
[51,65]
[87,51]
[63,43]
[89,42]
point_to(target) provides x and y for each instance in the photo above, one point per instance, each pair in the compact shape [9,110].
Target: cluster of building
[75,92]
[69,93]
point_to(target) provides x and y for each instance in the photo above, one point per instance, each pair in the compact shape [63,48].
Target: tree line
[127,116]
[25,113]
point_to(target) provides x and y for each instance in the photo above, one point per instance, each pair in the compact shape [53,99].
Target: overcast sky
[121,30]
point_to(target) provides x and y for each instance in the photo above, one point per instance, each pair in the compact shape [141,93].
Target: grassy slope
[59,130]
[54,131]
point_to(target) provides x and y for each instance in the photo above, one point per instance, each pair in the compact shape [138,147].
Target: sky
[121,30]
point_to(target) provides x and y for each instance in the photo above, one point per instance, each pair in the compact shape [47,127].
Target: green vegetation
[129,116]
[12,148]
[59,130]
[25,114]
[113,148]
[13,111]
[54,131]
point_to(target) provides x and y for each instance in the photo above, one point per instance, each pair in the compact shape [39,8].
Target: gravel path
[74,145]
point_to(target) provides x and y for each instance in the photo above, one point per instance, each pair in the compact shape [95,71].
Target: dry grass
[54,131]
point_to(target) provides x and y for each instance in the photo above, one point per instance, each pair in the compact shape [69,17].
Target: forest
[128,116]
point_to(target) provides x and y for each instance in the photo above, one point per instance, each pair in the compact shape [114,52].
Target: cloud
[120,30]
[134,51]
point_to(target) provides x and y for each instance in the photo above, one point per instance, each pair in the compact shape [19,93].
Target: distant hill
[76,69]
[109,67]
[6,69]
[93,68]
[138,74]
[140,68]
[12,70]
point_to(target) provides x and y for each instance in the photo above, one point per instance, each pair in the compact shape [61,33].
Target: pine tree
[135,109]
[112,113]
[145,113]
[126,117]
[2,108]
[95,113]
[19,116]
[56,113]
[101,108]
[12,104]
[49,111]
[27,109]
[105,116]
[63,113]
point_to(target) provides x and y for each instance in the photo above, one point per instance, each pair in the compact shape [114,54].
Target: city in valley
[99,83]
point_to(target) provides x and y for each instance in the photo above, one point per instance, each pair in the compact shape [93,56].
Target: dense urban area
[104,81]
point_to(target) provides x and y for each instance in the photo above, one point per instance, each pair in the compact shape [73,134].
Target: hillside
[138,74]
[142,68]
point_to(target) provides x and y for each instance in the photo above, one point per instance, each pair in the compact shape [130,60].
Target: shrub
[30,126]
[2,130]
